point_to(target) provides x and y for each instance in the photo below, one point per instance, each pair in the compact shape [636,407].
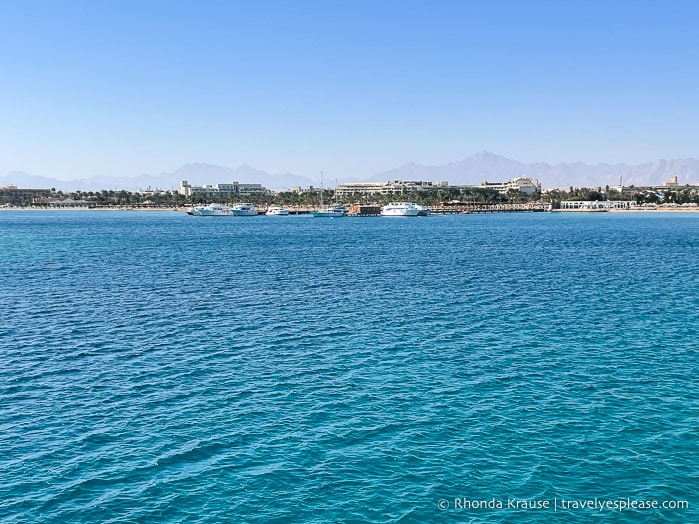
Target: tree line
[431,197]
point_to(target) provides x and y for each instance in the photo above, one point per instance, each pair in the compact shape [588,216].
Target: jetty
[465,208]
[443,208]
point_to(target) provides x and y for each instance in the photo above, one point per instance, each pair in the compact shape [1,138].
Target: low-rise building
[19,196]
[395,187]
[672,182]
[363,210]
[300,189]
[523,184]
[215,191]
[54,203]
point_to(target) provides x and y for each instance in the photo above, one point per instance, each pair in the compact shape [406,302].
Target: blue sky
[351,88]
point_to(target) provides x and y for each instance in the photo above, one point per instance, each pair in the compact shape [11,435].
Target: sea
[523,367]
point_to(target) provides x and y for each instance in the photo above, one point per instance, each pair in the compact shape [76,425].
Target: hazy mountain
[96,183]
[196,174]
[496,168]
[24,180]
[583,175]
[579,174]
[471,170]
[686,170]
[200,174]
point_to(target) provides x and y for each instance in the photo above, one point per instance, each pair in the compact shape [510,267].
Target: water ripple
[355,370]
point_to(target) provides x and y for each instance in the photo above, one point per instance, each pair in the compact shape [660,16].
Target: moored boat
[244,210]
[277,211]
[422,210]
[400,209]
[210,210]
[331,211]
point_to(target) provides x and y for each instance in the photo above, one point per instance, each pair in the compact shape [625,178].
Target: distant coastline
[635,209]
[467,171]
[76,208]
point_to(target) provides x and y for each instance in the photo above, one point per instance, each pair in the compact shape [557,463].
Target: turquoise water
[157,367]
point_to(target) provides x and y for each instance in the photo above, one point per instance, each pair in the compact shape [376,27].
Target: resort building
[672,182]
[59,203]
[216,191]
[14,195]
[523,184]
[395,187]
[301,189]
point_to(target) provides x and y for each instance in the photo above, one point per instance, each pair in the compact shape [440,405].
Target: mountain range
[471,170]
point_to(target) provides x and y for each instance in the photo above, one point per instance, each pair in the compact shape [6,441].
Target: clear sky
[349,87]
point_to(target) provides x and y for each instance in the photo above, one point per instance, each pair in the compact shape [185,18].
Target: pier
[465,208]
[445,208]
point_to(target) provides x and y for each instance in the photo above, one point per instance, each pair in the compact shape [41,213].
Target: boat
[244,210]
[194,210]
[331,211]
[423,211]
[277,211]
[210,210]
[400,209]
[335,210]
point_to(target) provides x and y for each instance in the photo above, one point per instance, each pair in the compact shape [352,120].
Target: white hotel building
[234,189]
[524,184]
[395,187]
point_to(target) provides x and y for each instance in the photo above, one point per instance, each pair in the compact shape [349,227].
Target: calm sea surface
[156,367]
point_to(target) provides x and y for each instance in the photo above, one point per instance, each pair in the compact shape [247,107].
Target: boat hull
[212,210]
[401,213]
[400,209]
[214,213]
[322,214]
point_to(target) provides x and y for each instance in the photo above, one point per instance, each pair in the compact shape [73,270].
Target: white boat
[331,211]
[244,210]
[211,210]
[335,210]
[422,210]
[277,211]
[400,209]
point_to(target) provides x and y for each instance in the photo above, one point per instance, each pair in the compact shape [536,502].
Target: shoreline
[184,209]
[93,209]
[662,210]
